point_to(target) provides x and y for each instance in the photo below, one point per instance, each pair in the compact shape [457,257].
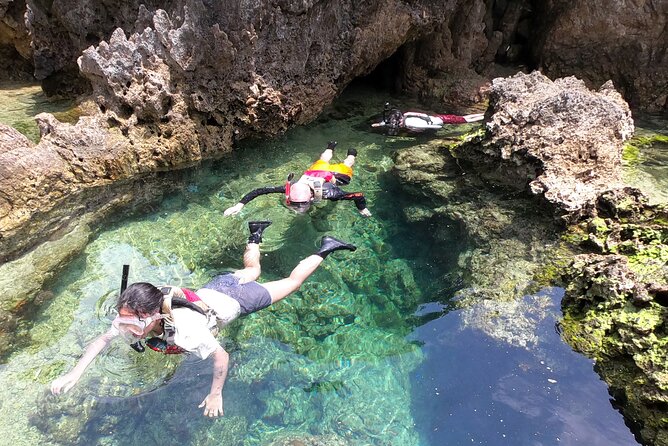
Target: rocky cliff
[622,41]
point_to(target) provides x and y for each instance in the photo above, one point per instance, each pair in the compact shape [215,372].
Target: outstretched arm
[67,381]
[233,210]
[213,403]
[336,194]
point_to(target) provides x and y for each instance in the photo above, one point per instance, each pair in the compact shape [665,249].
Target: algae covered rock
[616,305]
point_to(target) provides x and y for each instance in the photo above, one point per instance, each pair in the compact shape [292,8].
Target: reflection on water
[473,389]
[343,360]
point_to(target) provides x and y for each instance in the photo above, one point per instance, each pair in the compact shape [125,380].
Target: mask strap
[287,192]
[288,183]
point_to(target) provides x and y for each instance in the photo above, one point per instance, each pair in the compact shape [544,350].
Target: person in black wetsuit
[319,182]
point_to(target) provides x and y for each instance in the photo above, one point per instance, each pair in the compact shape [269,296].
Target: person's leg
[326,156]
[474,117]
[452,119]
[252,269]
[350,158]
[279,289]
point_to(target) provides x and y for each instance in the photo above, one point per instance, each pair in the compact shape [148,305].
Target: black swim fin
[256,229]
[329,244]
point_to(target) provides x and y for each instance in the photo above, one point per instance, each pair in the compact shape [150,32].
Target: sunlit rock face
[623,41]
[557,138]
[260,68]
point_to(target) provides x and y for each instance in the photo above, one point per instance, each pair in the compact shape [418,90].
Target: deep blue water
[474,390]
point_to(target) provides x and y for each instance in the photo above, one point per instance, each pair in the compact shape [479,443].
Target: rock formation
[616,305]
[558,138]
[622,41]
[562,143]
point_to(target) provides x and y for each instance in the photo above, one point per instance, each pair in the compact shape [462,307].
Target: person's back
[319,182]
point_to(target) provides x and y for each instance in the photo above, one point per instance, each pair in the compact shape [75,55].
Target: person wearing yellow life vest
[319,182]
[177,320]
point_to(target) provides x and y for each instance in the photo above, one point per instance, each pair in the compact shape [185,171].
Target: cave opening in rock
[388,75]
[448,56]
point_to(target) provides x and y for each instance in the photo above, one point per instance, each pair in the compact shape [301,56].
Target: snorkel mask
[299,197]
[132,328]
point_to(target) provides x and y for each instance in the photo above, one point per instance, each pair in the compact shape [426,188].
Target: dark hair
[394,121]
[141,297]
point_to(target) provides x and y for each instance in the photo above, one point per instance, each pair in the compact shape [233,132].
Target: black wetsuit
[329,192]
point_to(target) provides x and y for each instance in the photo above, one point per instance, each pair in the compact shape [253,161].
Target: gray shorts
[251,296]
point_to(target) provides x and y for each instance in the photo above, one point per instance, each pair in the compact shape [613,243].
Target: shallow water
[369,352]
[21,102]
[647,168]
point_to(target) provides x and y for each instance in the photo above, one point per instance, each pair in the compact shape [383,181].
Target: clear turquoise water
[648,171]
[21,102]
[369,352]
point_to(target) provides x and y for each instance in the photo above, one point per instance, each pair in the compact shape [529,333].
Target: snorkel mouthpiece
[138,347]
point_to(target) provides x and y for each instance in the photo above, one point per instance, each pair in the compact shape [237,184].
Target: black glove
[352,152]
[331,145]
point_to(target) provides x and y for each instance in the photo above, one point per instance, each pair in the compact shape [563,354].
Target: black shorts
[251,296]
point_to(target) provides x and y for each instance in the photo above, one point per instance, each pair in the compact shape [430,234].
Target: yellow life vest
[324,166]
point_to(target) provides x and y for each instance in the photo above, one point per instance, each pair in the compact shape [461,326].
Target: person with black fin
[172,319]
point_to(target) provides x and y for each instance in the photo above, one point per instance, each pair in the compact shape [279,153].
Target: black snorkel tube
[386,112]
[136,346]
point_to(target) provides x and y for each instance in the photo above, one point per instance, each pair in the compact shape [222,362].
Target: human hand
[213,405]
[365,212]
[64,383]
[234,210]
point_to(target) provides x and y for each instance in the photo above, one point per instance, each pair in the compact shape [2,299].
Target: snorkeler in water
[176,320]
[319,182]
[394,120]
